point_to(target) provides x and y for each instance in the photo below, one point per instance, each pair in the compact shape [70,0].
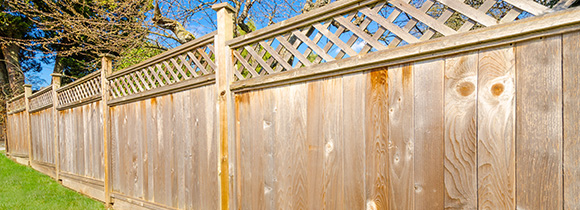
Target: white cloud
[358,45]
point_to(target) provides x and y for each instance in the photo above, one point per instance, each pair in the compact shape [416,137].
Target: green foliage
[136,55]
[24,188]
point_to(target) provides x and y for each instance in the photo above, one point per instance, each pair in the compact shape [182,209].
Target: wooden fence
[323,112]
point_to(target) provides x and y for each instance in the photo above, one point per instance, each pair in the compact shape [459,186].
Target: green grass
[22,187]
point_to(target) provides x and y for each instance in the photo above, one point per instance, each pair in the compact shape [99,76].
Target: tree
[85,27]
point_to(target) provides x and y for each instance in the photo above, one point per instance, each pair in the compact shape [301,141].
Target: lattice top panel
[16,104]
[86,88]
[191,60]
[345,29]
[41,99]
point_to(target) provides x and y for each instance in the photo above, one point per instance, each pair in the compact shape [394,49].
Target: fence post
[28,93]
[224,77]
[56,79]
[106,69]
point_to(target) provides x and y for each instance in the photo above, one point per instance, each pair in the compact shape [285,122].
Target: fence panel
[438,133]
[42,126]
[164,149]
[18,127]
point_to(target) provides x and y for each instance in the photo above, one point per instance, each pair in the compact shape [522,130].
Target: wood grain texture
[330,94]
[41,127]
[164,151]
[539,124]
[18,134]
[571,89]
[401,137]
[315,155]
[376,137]
[460,132]
[496,128]
[429,134]
[354,140]
[81,140]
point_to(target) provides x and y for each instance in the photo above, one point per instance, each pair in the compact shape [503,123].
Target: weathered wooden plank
[257,142]
[315,156]
[152,135]
[571,89]
[429,134]
[354,87]
[242,149]
[291,148]
[496,128]
[170,155]
[195,162]
[331,98]
[376,137]
[161,166]
[213,147]
[180,127]
[268,137]
[460,131]
[539,124]
[401,137]
[140,144]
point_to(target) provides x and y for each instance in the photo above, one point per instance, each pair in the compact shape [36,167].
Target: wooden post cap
[223,5]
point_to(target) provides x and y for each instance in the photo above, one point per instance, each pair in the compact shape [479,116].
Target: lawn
[22,187]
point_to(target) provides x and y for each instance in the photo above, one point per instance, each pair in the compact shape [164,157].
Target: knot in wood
[465,88]
[497,89]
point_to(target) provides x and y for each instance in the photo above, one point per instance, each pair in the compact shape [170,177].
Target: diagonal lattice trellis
[88,87]
[41,99]
[178,65]
[372,26]
[16,104]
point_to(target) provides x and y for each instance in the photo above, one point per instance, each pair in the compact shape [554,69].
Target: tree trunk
[4,94]
[4,83]
[15,74]
[58,67]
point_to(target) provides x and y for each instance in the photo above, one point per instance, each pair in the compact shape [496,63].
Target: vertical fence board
[331,106]
[152,139]
[571,88]
[376,136]
[291,148]
[354,87]
[180,118]
[315,160]
[401,138]
[245,144]
[257,155]
[539,120]
[267,125]
[196,164]
[212,151]
[460,132]
[429,134]
[283,148]
[496,128]
[115,148]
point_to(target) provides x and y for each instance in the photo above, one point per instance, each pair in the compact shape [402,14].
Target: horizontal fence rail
[16,104]
[349,28]
[41,99]
[81,91]
[192,60]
